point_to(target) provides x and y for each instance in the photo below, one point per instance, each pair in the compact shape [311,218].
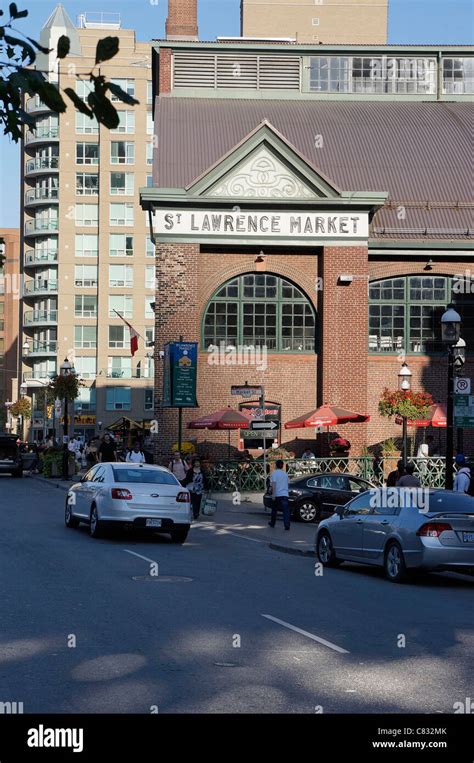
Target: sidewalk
[248,519]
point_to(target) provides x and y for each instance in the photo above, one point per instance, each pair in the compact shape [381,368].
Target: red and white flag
[133,335]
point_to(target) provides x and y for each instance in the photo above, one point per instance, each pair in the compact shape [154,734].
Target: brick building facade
[243,151]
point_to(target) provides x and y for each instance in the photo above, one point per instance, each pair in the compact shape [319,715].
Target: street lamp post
[450,335]
[404,381]
[66,369]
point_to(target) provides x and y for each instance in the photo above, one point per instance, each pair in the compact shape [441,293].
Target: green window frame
[405,313]
[260,309]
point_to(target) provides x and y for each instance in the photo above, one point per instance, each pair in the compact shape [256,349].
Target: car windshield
[148,476]
[451,503]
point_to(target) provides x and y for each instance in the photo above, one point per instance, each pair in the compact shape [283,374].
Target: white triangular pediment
[262,175]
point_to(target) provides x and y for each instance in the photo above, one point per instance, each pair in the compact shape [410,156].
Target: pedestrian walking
[107,450]
[136,455]
[279,480]
[397,474]
[196,482]
[409,479]
[74,447]
[178,467]
[462,480]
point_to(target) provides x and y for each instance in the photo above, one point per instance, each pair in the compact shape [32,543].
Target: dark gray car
[401,529]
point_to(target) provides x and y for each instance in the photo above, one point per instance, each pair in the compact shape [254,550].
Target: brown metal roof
[418,152]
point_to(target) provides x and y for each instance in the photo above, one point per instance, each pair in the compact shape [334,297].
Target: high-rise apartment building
[10,294]
[86,248]
[317,21]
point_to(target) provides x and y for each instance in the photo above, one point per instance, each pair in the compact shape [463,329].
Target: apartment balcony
[37,349]
[41,257]
[37,196]
[42,166]
[41,226]
[40,287]
[36,106]
[38,380]
[40,318]
[42,135]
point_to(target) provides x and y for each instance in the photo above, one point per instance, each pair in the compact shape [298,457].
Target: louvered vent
[194,70]
[244,72]
[279,73]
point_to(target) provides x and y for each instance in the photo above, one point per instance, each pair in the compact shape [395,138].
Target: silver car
[401,529]
[136,495]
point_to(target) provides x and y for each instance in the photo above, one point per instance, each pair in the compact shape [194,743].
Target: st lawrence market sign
[300,226]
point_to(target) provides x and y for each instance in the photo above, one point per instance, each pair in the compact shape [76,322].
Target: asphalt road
[78,632]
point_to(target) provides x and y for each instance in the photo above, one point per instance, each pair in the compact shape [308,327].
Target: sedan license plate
[153,523]
[468,537]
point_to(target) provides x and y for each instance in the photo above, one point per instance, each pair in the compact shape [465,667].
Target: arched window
[405,313]
[256,310]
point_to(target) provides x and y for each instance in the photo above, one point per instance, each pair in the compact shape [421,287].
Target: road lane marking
[308,635]
[152,561]
[223,530]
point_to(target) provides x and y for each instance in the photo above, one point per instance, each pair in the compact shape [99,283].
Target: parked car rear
[10,456]
[401,530]
[316,496]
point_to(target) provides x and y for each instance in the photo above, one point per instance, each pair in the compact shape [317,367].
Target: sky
[430,22]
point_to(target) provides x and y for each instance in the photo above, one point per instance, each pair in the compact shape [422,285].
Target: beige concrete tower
[86,249]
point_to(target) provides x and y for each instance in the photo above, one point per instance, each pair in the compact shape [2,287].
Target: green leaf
[15,13]
[51,96]
[106,49]
[38,46]
[78,102]
[104,111]
[27,50]
[64,45]
[119,93]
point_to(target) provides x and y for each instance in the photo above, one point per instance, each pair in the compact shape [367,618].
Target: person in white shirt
[308,454]
[135,456]
[74,446]
[280,495]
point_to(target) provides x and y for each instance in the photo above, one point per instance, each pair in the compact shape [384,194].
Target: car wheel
[95,525]
[325,551]
[69,519]
[179,534]
[394,563]
[308,512]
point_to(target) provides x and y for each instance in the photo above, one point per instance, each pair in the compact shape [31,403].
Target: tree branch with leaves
[18,54]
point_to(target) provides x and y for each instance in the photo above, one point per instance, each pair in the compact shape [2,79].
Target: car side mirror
[340,511]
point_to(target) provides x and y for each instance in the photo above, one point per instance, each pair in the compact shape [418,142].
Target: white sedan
[137,495]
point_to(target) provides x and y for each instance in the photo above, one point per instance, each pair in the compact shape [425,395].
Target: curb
[45,481]
[290,550]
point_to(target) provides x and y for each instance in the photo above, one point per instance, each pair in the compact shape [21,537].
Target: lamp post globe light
[404,383]
[26,348]
[451,336]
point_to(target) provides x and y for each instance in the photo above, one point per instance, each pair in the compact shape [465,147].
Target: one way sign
[266,425]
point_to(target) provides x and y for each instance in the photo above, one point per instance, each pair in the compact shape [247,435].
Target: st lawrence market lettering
[257,224]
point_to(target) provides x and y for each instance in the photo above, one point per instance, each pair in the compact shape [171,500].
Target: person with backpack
[463,479]
[178,467]
[135,456]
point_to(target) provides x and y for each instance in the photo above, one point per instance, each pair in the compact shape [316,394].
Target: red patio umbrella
[225,419]
[326,416]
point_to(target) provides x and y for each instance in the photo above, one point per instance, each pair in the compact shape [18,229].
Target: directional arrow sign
[267,425]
